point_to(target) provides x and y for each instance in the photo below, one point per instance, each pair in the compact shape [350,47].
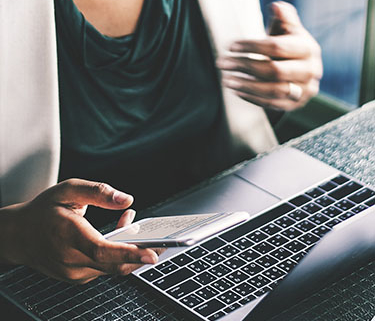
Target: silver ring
[295,92]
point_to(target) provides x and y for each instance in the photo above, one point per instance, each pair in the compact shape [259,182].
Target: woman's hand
[51,234]
[287,73]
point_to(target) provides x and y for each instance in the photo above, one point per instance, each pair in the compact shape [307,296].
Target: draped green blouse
[134,109]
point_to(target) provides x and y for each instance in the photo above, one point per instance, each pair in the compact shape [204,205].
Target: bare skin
[51,234]
[290,54]
[113,18]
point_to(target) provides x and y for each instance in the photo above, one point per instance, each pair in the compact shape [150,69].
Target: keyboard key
[173,278]
[263,247]
[216,316]
[299,256]
[252,269]
[324,201]
[266,261]
[237,232]
[248,299]
[311,208]
[220,270]
[205,278]
[329,186]
[345,205]
[295,246]
[214,258]
[315,192]
[277,240]
[213,244]
[305,226]
[286,265]
[273,273]
[249,255]
[209,307]
[362,195]
[333,222]
[346,215]
[371,202]
[197,252]
[257,236]
[229,297]
[182,259]
[321,231]
[300,200]
[259,281]
[285,221]
[222,285]
[340,179]
[281,253]
[331,211]
[271,229]
[234,263]
[183,289]
[318,218]
[207,292]
[199,266]
[228,251]
[263,291]
[298,215]
[232,308]
[244,289]
[345,190]
[359,209]
[237,277]
[291,233]
[151,275]
[242,243]
[280,210]
[163,265]
[308,239]
[191,300]
[168,269]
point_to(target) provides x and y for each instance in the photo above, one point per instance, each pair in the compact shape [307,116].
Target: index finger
[282,47]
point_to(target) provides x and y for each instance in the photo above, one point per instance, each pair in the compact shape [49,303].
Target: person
[140,96]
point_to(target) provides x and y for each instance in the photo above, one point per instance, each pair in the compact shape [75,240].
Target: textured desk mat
[347,144]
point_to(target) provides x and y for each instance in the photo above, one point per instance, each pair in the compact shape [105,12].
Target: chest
[113,18]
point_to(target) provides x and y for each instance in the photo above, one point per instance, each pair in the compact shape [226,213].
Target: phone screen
[162,227]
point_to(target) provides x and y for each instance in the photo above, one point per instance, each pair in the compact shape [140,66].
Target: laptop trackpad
[230,193]
[286,172]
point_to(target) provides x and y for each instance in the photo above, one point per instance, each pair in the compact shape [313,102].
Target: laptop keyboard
[226,272]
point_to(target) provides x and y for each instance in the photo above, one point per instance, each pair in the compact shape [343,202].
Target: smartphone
[174,231]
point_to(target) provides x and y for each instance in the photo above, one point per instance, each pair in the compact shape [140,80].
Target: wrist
[10,223]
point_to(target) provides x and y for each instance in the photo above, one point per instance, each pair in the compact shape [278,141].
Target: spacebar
[174,278]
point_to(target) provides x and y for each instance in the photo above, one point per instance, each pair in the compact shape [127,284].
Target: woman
[141,107]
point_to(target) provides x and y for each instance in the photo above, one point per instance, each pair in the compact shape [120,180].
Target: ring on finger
[295,92]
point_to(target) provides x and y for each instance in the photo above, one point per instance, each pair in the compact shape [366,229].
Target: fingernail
[132,214]
[231,83]
[121,198]
[236,47]
[148,259]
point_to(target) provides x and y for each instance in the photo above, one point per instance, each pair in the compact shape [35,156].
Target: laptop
[309,225]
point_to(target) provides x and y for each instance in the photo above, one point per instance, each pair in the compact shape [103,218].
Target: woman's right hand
[51,235]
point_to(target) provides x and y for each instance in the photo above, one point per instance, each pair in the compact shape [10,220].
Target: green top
[137,105]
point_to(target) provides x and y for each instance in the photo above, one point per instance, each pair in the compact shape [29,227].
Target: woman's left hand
[290,68]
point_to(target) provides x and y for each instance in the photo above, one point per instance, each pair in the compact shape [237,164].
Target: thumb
[79,193]
[285,19]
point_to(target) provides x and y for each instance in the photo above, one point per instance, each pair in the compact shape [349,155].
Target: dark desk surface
[347,144]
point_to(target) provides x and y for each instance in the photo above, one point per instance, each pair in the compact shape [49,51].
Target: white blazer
[29,104]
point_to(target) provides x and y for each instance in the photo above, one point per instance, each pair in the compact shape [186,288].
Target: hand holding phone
[173,231]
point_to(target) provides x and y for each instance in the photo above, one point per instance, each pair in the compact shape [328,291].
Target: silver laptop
[310,225]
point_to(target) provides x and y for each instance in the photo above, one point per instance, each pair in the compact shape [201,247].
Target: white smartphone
[174,231]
